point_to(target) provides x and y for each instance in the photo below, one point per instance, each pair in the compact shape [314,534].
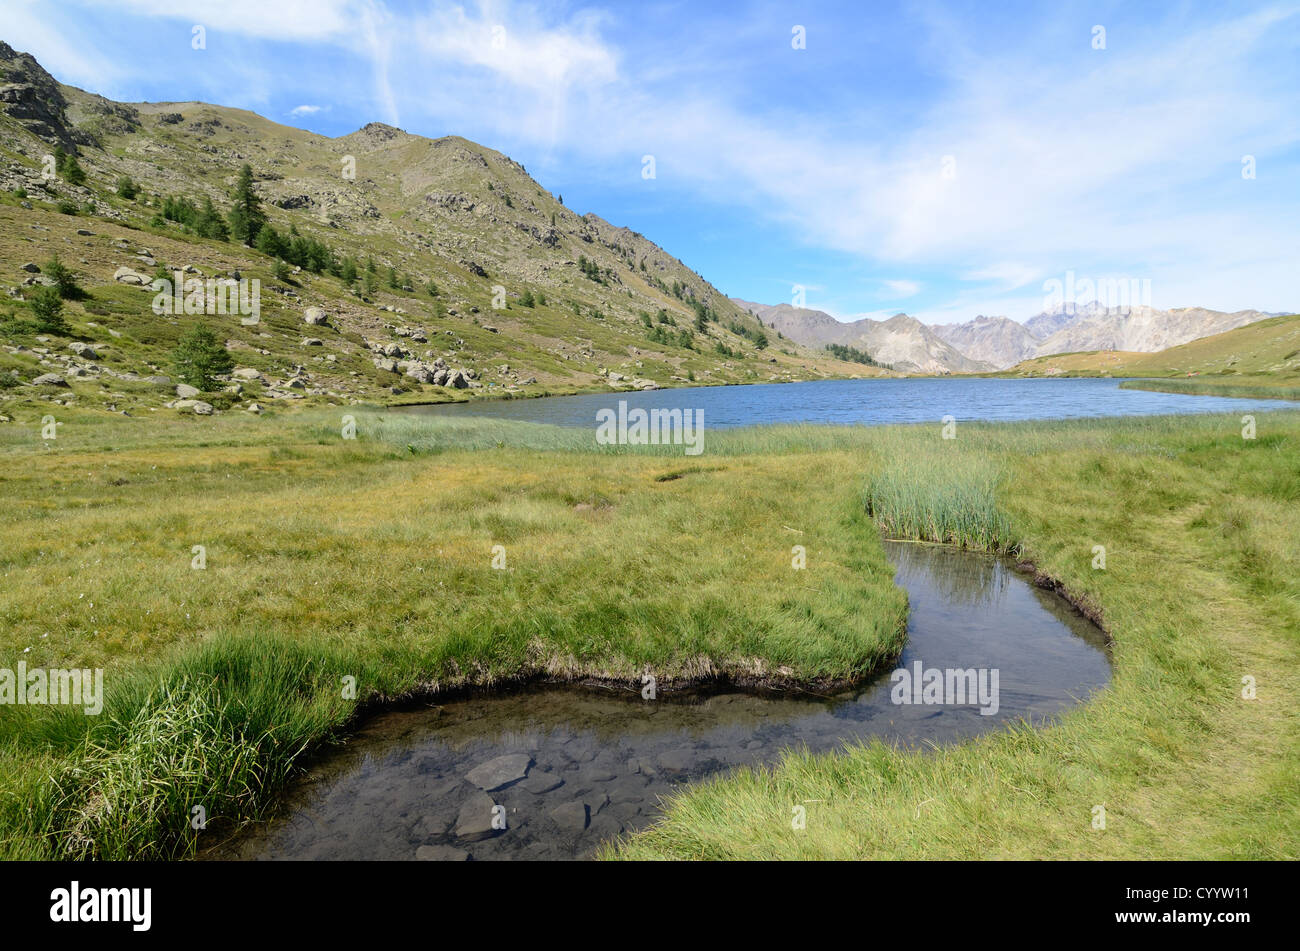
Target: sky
[863,158]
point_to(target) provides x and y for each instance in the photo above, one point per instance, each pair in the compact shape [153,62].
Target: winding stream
[571,767]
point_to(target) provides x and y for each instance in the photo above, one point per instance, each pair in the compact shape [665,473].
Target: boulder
[185,391]
[315,317]
[50,379]
[246,373]
[313,342]
[32,268]
[126,275]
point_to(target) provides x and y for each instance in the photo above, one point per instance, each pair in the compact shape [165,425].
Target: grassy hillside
[474,264]
[1262,358]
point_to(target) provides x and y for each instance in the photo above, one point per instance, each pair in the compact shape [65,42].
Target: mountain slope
[901,342]
[997,341]
[490,272]
[1270,346]
[1142,329]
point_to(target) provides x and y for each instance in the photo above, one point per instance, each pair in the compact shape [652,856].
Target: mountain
[1142,329]
[1264,347]
[474,265]
[1089,327]
[901,342]
[997,341]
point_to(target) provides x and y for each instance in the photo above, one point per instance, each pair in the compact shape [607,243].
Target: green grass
[1262,387]
[1201,588]
[371,559]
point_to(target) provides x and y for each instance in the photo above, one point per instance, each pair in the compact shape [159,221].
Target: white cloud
[304,110]
[295,20]
[901,288]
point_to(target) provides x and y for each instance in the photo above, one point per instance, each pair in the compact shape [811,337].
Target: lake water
[572,768]
[867,401]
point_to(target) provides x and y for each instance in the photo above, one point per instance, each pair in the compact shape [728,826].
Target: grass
[372,559]
[1201,589]
[1263,387]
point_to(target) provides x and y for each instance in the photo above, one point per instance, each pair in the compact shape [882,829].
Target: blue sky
[943,159]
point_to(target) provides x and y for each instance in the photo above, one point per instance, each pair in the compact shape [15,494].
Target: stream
[565,768]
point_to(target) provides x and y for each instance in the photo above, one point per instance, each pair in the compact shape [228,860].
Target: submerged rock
[500,772]
[474,821]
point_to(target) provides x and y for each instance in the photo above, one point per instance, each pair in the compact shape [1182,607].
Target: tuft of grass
[924,497]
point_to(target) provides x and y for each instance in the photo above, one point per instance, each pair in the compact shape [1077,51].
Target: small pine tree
[47,309]
[246,216]
[526,299]
[369,284]
[208,223]
[348,271]
[126,188]
[65,283]
[66,164]
[392,278]
[432,289]
[199,357]
[269,242]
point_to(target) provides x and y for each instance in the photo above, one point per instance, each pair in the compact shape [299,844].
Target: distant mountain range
[996,343]
[901,342]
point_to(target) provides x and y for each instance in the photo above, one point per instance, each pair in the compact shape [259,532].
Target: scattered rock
[50,379]
[440,853]
[185,391]
[539,781]
[474,821]
[315,317]
[500,772]
[572,816]
[31,268]
[126,275]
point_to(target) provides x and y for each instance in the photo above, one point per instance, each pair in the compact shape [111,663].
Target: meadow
[428,556]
